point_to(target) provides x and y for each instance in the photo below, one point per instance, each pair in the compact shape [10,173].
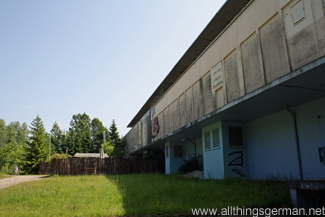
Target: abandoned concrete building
[248,95]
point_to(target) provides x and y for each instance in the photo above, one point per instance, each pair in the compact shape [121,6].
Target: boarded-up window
[216,139]
[298,12]
[207,145]
[178,151]
[235,136]
[217,74]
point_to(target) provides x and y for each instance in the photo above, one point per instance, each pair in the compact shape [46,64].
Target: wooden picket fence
[96,166]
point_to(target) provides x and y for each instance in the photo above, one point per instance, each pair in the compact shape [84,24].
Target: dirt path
[14,180]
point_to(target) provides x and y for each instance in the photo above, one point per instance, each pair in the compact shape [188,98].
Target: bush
[189,165]
[55,157]
[108,148]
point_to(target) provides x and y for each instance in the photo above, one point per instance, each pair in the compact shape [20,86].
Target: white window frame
[210,131]
[219,142]
[205,147]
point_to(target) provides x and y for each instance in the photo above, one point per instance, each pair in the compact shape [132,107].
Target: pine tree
[113,133]
[118,151]
[57,138]
[37,150]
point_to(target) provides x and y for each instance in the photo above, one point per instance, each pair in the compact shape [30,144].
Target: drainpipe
[297,141]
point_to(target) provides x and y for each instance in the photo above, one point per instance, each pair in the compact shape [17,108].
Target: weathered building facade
[248,95]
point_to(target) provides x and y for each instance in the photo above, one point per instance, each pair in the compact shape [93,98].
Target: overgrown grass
[137,194]
[175,194]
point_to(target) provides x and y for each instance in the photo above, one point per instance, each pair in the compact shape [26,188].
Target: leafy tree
[3,139]
[23,133]
[97,131]
[3,133]
[65,147]
[119,150]
[17,133]
[79,145]
[57,138]
[13,139]
[88,146]
[108,148]
[37,149]
[17,141]
[12,132]
[80,122]
[71,142]
[15,154]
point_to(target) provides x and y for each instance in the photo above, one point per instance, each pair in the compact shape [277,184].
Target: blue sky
[105,58]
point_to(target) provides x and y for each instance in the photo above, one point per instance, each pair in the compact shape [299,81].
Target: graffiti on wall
[238,172]
[237,160]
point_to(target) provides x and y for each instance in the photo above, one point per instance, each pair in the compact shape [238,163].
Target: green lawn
[136,194]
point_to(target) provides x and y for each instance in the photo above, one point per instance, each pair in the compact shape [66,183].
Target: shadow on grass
[158,194]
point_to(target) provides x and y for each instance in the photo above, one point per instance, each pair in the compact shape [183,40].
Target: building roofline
[225,15]
[295,88]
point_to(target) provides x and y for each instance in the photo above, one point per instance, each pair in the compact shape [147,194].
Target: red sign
[155,127]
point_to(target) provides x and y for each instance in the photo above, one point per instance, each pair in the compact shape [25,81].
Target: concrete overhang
[219,22]
[298,87]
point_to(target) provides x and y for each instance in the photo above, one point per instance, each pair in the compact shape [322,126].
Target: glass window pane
[235,136]
[216,139]
[178,151]
[207,140]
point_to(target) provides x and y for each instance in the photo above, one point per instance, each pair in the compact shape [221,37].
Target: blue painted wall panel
[311,131]
[272,147]
[189,149]
[175,162]
[167,158]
